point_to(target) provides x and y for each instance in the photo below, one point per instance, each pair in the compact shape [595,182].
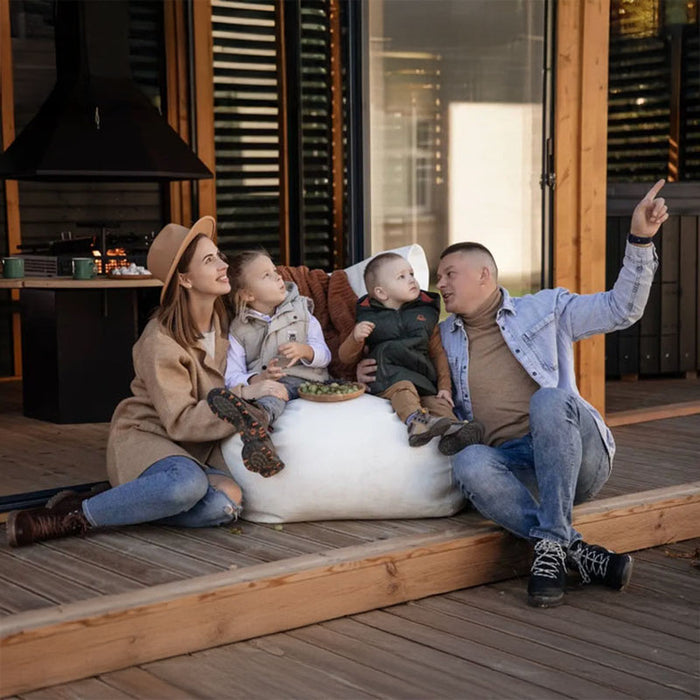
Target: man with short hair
[545,448]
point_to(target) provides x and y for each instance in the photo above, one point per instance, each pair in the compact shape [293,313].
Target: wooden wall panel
[7,122]
[580,164]
[204,101]
[175,29]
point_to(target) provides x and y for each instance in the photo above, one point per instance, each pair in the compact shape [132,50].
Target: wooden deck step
[108,632]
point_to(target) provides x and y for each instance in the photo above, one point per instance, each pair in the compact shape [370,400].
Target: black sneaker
[596,564]
[545,588]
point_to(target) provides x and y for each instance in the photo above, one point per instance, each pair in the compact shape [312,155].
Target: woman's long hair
[174,312]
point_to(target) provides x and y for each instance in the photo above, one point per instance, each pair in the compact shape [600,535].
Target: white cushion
[345,460]
[413,253]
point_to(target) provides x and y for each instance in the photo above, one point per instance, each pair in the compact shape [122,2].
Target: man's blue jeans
[173,491]
[529,485]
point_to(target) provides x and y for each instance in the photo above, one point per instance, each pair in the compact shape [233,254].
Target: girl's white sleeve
[314,338]
[236,367]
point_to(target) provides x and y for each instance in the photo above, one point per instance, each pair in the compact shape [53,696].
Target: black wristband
[639,240]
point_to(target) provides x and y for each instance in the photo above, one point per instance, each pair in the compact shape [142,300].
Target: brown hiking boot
[459,435]
[38,524]
[258,453]
[424,428]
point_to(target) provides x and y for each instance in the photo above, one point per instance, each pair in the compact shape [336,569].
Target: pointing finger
[655,190]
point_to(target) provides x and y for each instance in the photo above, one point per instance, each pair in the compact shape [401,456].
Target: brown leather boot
[258,453]
[38,524]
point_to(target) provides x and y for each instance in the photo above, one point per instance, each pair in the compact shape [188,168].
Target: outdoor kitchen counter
[77,337]
[70,283]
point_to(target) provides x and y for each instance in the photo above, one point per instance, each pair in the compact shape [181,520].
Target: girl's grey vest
[261,339]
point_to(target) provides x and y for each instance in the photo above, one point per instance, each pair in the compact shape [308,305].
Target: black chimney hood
[96,125]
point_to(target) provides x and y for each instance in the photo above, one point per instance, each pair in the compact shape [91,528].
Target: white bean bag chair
[348,460]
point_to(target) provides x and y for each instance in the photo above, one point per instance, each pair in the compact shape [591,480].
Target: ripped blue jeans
[529,485]
[172,491]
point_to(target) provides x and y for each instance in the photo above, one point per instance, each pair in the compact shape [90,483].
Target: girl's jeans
[173,491]
[529,485]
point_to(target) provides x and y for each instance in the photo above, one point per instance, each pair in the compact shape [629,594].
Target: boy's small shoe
[424,427]
[598,565]
[258,453]
[459,435]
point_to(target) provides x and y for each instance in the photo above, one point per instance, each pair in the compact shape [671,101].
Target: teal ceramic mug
[13,267]
[83,268]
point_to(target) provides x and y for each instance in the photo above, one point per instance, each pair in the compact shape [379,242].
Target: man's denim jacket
[540,330]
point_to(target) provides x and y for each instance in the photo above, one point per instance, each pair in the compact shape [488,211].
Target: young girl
[275,342]
[163,441]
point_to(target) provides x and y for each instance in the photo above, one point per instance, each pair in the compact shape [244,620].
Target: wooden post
[282,88]
[204,98]
[7,121]
[175,30]
[337,136]
[580,163]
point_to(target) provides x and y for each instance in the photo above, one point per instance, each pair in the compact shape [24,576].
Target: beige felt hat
[169,245]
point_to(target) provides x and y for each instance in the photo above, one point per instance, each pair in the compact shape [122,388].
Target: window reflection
[456,128]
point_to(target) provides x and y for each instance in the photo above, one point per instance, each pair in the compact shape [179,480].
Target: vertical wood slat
[177,105]
[338,165]
[580,161]
[291,28]
[204,98]
[283,89]
[7,121]
[688,274]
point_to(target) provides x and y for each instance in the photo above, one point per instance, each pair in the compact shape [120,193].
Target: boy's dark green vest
[400,339]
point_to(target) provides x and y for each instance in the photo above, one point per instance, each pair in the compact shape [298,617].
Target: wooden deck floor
[136,557]
[48,585]
[482,642]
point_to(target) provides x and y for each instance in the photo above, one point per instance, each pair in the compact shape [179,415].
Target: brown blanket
[334,307]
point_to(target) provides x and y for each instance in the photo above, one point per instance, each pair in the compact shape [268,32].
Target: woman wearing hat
[163,447]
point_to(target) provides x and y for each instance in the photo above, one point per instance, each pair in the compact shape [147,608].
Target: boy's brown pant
[405,400]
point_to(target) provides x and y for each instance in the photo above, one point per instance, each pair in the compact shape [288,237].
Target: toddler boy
[398,321]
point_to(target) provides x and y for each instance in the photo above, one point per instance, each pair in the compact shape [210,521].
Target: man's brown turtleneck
[499,387]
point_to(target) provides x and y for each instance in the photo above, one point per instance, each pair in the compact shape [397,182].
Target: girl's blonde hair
[174,312]
[236,273]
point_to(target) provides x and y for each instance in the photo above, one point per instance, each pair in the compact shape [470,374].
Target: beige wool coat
[168,413]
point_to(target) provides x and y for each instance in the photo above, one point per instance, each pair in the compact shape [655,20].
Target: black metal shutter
[690,106]
[316,134]
[639,96]
[246,132]
[247,128]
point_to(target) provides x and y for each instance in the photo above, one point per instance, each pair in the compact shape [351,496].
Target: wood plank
[450,634]
[204,102]
[138,683]
[583,621]
[651,413]
[11,187]
[643,660]
[688,353]
[592,186]
[175,32]
[283,131]
[543,653]
[110,632]
[89,688]
[432,658]
[580,165]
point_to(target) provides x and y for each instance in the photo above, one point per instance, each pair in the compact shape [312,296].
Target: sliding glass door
[456,120]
